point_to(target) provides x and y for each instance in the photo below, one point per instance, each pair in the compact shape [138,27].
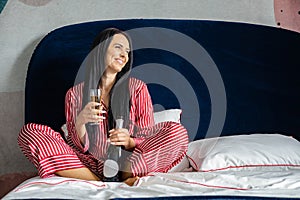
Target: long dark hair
[119,103]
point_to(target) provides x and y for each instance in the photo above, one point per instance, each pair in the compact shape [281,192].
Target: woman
[154,148]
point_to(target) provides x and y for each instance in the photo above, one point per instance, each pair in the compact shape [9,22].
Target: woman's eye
[120,47]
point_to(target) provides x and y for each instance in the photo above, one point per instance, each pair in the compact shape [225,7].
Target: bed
[234,86]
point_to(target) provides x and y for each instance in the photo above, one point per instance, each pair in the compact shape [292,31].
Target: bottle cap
[119,122]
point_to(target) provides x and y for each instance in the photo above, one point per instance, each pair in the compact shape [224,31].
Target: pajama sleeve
[72,108]
[142,111]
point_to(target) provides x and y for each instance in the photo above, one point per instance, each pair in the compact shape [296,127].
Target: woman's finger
[119,139]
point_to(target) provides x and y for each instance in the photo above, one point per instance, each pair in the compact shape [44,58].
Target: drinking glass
[95,96]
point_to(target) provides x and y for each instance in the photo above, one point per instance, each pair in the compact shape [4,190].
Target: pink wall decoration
[287,14]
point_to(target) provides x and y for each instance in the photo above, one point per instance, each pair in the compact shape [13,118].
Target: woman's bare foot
[131,181]
[126,171]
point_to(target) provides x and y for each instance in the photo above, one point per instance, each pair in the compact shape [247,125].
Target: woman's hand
[121,137]
[88,114]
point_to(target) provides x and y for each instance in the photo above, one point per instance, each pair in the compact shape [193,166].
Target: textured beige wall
[12,117]
[23,23]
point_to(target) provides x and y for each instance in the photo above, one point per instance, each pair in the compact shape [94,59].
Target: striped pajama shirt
[159,147]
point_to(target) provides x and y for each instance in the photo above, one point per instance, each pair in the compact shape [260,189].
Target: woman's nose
[122,53]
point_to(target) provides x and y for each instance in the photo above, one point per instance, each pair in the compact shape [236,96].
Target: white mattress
[263,183]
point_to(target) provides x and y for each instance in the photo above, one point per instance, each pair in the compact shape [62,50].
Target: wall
[25,22]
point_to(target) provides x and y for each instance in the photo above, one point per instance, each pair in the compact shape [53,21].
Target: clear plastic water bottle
[111,168]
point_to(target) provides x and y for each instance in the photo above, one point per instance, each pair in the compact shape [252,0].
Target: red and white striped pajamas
[158,147]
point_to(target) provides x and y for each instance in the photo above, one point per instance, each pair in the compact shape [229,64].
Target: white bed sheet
[275,183]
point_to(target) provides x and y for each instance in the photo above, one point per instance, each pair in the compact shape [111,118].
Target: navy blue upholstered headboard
[237,79]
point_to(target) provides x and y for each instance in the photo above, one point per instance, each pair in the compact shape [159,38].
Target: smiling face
[117,54]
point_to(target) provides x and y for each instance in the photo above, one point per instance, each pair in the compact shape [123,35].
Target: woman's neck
[107,82]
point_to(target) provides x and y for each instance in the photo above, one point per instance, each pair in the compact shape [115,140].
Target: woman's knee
[176,130]
[31,132]
[25,132]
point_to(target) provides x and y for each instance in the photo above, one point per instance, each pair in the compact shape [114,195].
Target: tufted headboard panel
[228,78]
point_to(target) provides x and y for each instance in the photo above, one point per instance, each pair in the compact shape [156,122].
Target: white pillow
[172,115]
[242,152]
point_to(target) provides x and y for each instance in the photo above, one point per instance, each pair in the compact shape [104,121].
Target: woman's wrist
[131,144]
[81,131]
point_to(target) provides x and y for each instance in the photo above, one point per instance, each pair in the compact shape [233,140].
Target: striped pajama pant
[49,152]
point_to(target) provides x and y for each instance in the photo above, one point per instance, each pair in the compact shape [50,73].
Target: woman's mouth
[120,61]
